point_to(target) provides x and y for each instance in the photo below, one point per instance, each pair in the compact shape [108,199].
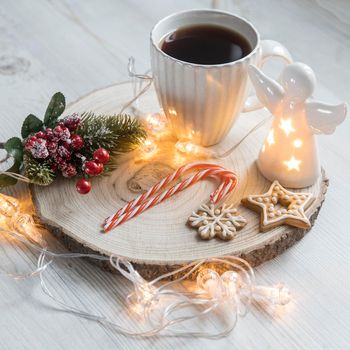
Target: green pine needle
[116,133]
[39,173]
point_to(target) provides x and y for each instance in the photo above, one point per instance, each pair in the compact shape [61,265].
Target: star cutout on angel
[293,164]
[278,206]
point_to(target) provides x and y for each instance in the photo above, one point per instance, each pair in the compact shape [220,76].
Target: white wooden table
[76,46]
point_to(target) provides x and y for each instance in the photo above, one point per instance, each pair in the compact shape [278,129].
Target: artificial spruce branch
[39,173]
[117,133]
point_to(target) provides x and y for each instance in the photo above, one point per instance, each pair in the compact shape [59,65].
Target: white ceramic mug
[202,102]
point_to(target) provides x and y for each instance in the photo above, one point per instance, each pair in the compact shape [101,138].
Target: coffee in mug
[206,44]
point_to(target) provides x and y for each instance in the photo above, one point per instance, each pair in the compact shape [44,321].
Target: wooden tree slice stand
[159,239]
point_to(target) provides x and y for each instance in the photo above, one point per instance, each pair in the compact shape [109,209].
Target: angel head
[298,81]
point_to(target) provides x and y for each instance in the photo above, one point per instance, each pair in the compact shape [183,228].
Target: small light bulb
[232,282]
[9,206]
[148,147]
[277,295]
[148,292]
[145,297]
[24,224]
[210,281]
[156,122]
[186,147]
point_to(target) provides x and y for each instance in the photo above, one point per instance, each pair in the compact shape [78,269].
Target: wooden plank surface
[77,46]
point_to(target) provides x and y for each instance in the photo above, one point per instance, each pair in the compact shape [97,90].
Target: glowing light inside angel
[297,143]
[293,164]
[271,137]
[286,126]
[297,118]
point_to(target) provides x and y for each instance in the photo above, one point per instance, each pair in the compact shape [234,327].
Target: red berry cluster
[61,147]
[57,145]
[93,168]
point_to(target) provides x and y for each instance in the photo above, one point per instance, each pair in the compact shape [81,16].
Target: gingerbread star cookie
[279,206]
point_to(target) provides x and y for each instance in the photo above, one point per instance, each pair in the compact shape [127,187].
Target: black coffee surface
[206,44]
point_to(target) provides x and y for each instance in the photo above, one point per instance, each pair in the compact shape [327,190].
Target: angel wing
[324,118]
[269,92]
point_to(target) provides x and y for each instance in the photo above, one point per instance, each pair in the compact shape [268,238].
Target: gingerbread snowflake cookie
[279,206]
[222,222]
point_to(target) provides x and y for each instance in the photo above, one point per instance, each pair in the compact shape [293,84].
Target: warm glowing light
[24,224]
[186,147]
[297,143]
[172,111]
[277,295]
[144,297]
[148,147]
[156,122]
[263,148]
[8,206]
[146,293]
[210,281]
[231,282]
[286,126]
[230,285]
[293,164]
[271,137]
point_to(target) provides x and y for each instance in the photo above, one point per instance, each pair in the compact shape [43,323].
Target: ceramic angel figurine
[289,153]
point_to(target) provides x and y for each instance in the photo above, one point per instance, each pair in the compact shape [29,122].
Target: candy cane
[215,197]
[143,202]
[210,171]
[161,185]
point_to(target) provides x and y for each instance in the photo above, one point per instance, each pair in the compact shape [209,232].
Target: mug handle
[269,49]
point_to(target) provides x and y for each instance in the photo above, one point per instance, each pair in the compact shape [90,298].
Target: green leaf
[31,125]
[14,148]
[6,180]
[54,109]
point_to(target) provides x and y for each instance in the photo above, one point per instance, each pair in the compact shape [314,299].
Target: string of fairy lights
[160,302]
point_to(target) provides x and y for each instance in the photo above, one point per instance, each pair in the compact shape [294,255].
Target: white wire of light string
[182,300]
